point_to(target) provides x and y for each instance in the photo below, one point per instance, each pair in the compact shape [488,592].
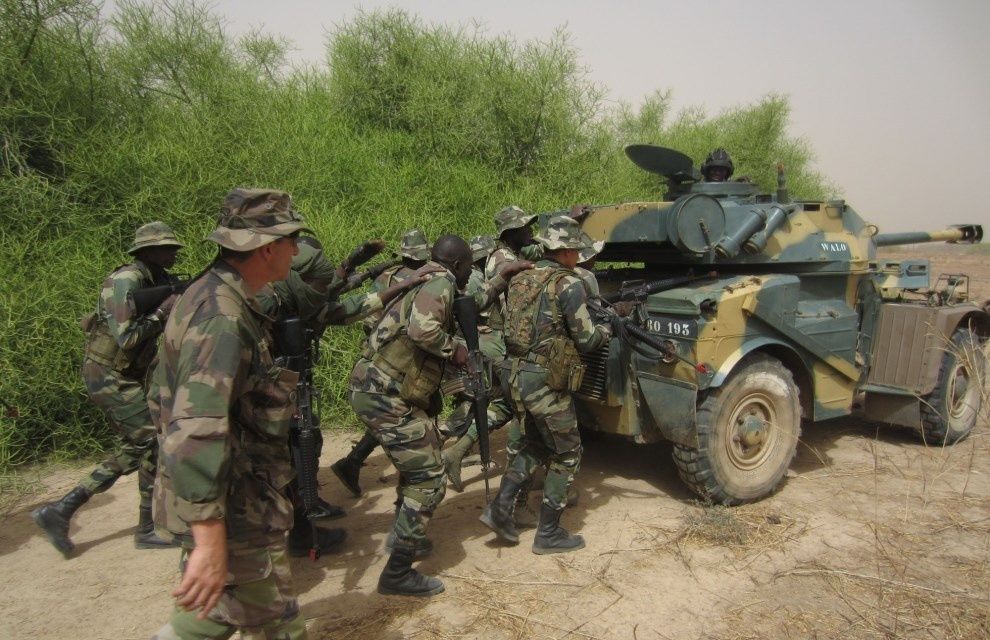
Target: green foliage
[154,113]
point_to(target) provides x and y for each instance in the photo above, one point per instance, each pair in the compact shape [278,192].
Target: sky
[893,97]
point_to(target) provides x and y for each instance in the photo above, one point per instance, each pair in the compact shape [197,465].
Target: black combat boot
[301,537]
[553,538]
[400,579]
[54,518]
[348,468]
[421,548]
[145,536]
[498,515]
[325,510]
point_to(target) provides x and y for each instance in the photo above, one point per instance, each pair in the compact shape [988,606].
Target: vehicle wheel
[949,412]
[747,435]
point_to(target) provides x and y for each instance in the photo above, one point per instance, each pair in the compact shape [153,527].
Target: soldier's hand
[624,307]
[206,569]
[165,307]
[460,357]
[510,269]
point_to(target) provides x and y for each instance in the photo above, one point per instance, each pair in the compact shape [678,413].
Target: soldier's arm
[128,331]
[195,445]
[572,296]
[350,309]
[484,291]
[428,319]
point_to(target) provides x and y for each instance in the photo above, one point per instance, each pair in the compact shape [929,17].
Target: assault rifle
[642,291]
[476,384]
[294,346]
[144,301]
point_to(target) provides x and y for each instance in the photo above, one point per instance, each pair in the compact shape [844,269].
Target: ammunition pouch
[418,373]
[565,370]
[102,349]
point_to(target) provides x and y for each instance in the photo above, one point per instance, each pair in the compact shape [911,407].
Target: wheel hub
[753,434]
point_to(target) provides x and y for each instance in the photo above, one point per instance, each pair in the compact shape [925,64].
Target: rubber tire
[710,469]
[938,426]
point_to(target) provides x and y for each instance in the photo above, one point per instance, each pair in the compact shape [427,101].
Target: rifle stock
[144,301]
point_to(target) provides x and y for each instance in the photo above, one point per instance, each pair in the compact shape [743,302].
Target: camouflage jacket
[590,282]
[223,410]
[493,265]
[425,315]
[115,338]
[385,279]
[294,297]
[571,317]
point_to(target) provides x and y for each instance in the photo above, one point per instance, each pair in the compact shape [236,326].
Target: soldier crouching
[223,410]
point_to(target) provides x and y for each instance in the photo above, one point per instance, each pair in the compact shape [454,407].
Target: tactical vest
[102,348]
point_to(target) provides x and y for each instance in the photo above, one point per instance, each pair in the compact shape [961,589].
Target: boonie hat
[561,232]
[252,218]
[154,234]
[481,247]
[512,217]
[591,248]
[414,245]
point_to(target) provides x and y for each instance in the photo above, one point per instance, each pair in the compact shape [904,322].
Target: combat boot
[348,468]
[145,536]
[553,538]
[498,515]
[453,457]
[421,548]
[301,540]
[400,579]
[522,514]
[324,509]
[54,518]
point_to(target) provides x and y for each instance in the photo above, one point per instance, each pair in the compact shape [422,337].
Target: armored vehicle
[760,312]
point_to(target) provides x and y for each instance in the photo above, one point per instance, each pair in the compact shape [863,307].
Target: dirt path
[872,535]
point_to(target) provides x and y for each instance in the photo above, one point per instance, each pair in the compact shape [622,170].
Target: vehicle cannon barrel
[964,233]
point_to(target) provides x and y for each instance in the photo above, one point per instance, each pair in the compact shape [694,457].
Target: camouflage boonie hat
[481,247]
[252,218]
[591,248]
[414,245]
[512,217]
[154,234]
[561,232]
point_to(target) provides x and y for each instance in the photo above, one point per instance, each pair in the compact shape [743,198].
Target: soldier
[304,294]
[718,166]
[415,251]
[223,410]
[493,348]
[119,348]
[586,264]
[547,322]
[394,391]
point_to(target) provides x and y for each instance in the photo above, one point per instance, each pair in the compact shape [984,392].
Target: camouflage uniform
[551,431]
[119,349]
[223,411]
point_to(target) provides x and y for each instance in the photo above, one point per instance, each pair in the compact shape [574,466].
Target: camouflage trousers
[123,401]
[412,443]
[551,437]
[258,600]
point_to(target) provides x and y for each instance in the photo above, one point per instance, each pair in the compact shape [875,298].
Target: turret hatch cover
[695,222]
[670,163]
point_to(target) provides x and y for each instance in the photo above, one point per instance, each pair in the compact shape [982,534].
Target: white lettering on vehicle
[835,247]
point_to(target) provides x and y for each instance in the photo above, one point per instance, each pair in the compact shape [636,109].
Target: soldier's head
[718,166]
[481,248]
[414,249]
[514,227]
[155,244]
[454,253]
[562,240]
[257,233]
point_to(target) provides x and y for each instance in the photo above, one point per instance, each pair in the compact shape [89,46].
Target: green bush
[154,113]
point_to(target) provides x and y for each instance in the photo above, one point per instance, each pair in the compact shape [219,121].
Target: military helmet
[718,158]
[154,234]
[481,247]
[591,248]
[252,218]
[414,245]
[512,217]
[561,232]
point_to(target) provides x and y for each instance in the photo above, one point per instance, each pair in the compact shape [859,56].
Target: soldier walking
[546,323]
[223,409]
[120,346]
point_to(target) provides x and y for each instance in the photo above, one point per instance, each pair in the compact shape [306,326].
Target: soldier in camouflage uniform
[223,410]
[119,348]
[547,323]
[586,264]
[415,251]
[395,392]
[493,348]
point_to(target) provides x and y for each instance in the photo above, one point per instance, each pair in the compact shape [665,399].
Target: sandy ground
[872,535]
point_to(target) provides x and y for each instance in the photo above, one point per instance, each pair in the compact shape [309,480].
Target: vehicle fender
[761,343]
